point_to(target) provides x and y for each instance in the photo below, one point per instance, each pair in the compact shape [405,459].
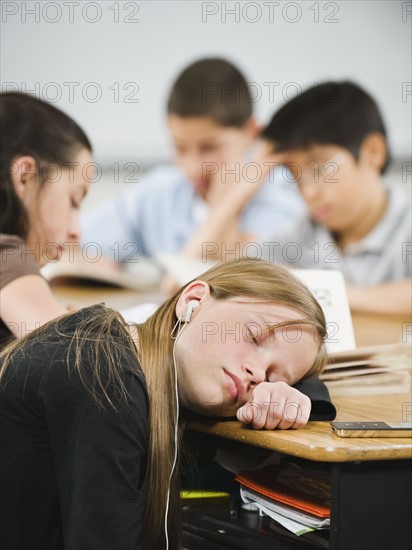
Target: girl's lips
[234,385]
[231,386]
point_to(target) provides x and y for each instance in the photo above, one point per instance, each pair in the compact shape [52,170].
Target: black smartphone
[372,429]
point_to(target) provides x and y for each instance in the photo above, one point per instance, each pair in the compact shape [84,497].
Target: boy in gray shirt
[333,140]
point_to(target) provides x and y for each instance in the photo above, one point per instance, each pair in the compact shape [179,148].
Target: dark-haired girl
[46,165]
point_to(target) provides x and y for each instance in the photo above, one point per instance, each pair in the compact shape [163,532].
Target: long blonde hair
[250,278]
[257,279]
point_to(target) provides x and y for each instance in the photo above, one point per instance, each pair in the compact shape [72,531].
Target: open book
[142,275]
[351,370]
[368,371]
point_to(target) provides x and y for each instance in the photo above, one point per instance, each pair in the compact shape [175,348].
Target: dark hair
[339,113]
[212,88]
[30,126]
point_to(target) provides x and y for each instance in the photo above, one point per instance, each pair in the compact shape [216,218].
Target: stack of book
[367,371]
[295,497]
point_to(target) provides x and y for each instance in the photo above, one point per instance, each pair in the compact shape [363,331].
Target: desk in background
[369,329]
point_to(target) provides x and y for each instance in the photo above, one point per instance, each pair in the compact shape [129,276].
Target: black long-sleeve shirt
[72,472]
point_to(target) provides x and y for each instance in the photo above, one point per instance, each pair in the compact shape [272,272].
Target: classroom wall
[110,64]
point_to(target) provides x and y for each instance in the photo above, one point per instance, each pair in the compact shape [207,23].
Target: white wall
[370,42]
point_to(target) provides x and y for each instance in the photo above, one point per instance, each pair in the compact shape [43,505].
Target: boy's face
[335,186]
[200,141]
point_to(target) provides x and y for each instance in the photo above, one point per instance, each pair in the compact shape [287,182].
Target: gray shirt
[384,255]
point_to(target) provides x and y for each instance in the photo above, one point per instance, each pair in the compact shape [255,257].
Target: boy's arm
[393,297]
[222,224]
[218,236]
[227,200]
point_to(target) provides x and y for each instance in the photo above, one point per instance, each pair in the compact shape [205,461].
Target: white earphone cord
[176,433]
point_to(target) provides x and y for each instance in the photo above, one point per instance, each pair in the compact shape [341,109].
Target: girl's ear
[374,151]
[23,175]
[196,290]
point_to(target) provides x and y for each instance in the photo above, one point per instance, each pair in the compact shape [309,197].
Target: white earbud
[190,307]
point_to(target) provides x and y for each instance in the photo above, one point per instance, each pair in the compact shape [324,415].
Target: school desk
[371,478]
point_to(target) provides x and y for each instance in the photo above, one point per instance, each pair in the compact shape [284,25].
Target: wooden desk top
[316,441]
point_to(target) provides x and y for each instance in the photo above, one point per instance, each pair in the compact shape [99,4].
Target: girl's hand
[275,405]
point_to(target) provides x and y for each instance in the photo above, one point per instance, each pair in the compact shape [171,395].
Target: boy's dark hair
[339,113]
[212,88]
[30,126]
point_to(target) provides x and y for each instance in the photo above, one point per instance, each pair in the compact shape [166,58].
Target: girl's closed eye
[251,337]
[76,199]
